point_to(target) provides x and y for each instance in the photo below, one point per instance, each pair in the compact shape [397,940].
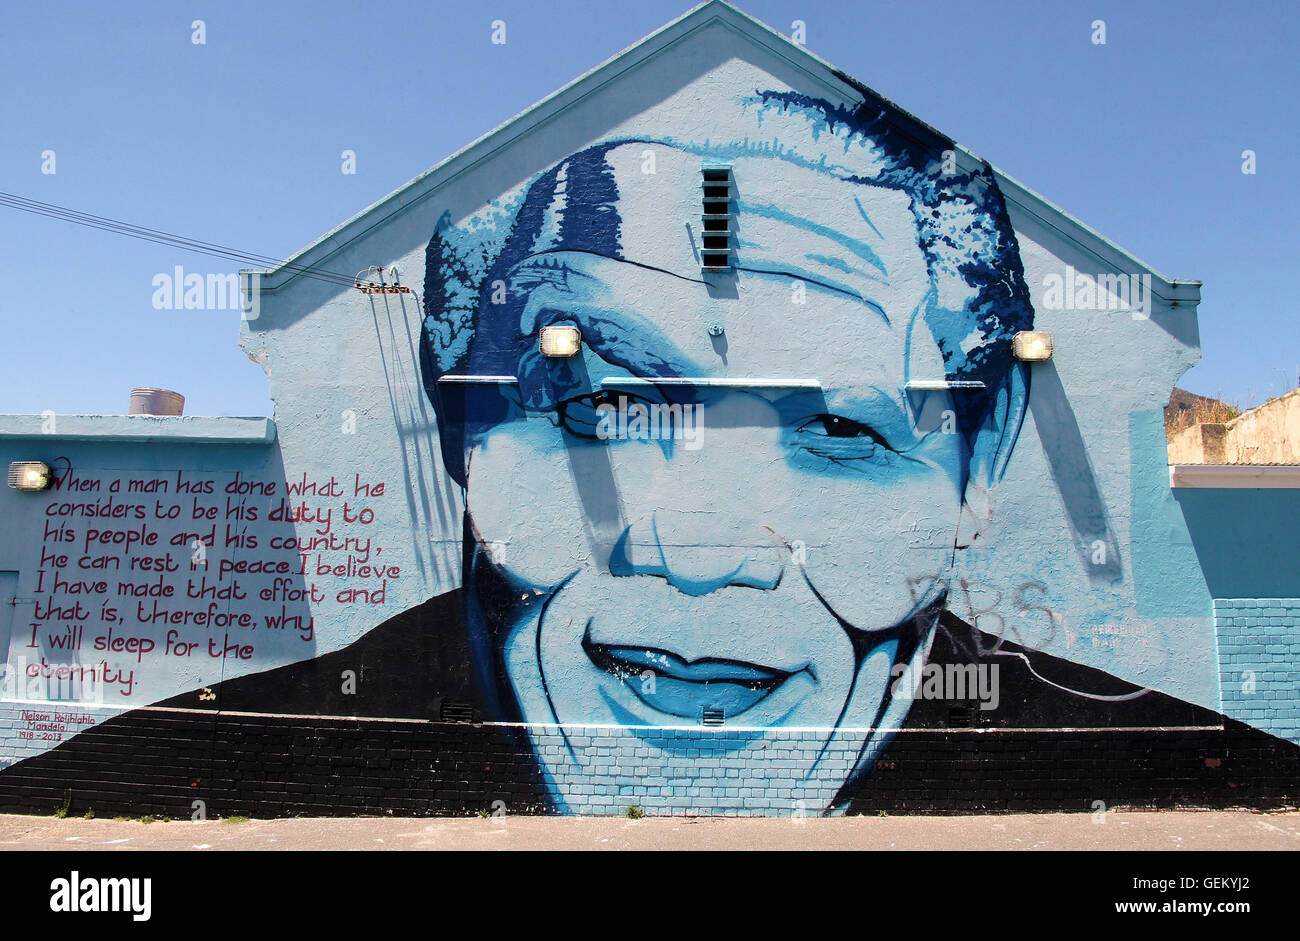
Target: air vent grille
[453,710]
[961,717]
[718,193]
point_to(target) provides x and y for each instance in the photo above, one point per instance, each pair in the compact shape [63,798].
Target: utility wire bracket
[370,287]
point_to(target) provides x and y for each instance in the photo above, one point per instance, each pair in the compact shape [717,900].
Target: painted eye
[596,414]
[579,414]
[843,429]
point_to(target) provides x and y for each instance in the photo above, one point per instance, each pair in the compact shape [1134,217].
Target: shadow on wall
[1246,541]
[432,497]
[1072,472]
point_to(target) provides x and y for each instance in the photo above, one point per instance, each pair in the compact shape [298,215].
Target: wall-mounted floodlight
[560,340]
[30,475]
[1032,346]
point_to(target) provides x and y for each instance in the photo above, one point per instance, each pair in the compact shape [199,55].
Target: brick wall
[27,728]
[1259,662]
[160,761]
[696,770]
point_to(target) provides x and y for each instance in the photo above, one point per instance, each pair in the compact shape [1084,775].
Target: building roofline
[139,429]
[818,69]
[1235,476]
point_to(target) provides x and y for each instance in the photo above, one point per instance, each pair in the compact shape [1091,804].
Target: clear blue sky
[238,141]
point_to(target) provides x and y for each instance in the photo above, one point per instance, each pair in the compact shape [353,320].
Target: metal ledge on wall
[497,380]
[1235,476]
[638,382]
[187,429]
[940,385]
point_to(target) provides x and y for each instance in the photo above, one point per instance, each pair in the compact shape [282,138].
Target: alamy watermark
[71,682]
[953,682]
[651,421]
[78,893]
[1075,290]
[178,290]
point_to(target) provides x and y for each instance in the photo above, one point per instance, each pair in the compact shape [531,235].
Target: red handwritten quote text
[146,573]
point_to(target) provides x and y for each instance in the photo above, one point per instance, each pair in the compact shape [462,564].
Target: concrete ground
[1233,830]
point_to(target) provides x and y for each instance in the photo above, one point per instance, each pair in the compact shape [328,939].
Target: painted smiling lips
[684,688]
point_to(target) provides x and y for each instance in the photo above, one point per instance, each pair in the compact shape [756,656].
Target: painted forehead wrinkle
[856,247]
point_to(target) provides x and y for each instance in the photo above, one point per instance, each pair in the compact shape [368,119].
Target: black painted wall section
[161,761]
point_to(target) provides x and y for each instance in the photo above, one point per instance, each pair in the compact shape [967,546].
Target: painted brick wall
[161,761]
[28,728]
[695,770]
[1259,662]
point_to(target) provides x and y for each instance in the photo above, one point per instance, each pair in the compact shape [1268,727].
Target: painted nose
[698,553]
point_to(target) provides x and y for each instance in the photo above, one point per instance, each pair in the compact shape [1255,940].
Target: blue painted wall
[1246,541]
[779,550]
[1259,649]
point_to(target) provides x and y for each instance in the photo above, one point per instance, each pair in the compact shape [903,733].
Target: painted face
[733,521]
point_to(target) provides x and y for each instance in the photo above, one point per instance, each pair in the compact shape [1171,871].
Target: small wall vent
[453,710]
[961,717]
[717,239]
[713,717]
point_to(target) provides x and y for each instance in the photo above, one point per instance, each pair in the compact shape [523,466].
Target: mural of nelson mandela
[707,557]
[770,577]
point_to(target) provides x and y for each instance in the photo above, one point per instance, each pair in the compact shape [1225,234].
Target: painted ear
[991,451]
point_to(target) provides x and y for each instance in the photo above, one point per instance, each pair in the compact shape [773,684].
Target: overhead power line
[160,237]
